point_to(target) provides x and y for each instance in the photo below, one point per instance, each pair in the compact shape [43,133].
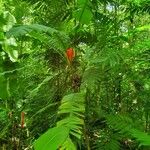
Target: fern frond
[125,126]
[120,122]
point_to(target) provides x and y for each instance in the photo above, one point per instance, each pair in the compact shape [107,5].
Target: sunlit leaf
[52,139]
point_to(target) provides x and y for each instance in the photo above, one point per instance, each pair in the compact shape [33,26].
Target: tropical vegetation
[75,75]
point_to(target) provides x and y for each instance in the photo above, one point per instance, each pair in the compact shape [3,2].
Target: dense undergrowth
[74,75]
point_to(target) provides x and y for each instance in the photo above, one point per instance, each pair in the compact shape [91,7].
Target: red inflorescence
[70,54]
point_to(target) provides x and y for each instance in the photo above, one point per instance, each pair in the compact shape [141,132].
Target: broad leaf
[52,139]
[83,13]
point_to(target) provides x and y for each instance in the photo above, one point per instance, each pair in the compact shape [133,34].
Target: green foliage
[47,35]
[142,137]
[72,107]
[52,139]
[84,104]
[125,126]
[83,14]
